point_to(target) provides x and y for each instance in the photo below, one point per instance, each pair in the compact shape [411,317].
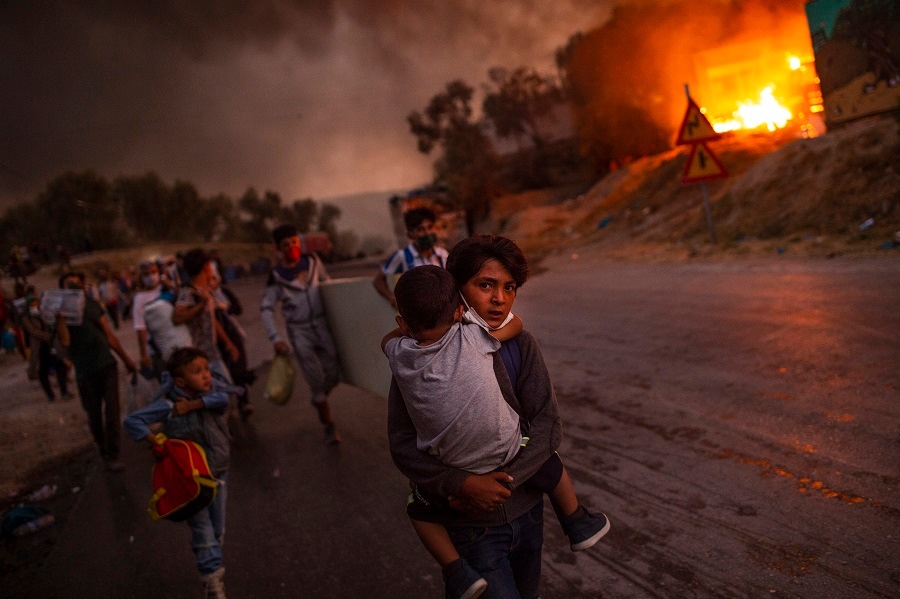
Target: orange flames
[766,112]
[793,99]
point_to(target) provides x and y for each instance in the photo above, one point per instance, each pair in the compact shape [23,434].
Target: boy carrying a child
[445,372]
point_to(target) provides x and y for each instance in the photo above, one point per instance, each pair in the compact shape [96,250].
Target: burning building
[749,65]
[764,83]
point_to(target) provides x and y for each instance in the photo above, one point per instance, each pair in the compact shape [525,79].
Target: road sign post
[708,209]
[702,164]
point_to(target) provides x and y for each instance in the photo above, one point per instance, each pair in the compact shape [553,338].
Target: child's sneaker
[464,582]
[332,436]
[584,528]
[213,585]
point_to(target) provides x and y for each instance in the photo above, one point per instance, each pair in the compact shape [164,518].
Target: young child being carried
[445,372]
[192,405]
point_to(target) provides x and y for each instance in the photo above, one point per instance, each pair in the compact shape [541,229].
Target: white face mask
[471,316]
[150,281]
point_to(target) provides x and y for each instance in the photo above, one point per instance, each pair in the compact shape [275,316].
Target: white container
[358,318]
[68,302]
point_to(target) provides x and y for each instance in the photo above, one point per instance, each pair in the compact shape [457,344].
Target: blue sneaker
[586,529]
[464,583]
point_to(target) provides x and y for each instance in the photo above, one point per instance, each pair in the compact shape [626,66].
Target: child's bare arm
[392,335]
[512,329]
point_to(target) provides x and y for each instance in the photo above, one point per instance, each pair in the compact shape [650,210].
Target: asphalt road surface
[738,423]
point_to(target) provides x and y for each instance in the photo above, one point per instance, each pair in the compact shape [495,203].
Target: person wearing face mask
[43,349]
[88,346]
[169,274]
[499,527]
[421,250]
[149,289]
[108,289]
[294,284]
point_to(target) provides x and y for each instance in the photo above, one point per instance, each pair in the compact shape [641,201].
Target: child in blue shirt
[192,405]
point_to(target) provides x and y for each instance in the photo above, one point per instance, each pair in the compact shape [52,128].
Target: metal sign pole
[708,209]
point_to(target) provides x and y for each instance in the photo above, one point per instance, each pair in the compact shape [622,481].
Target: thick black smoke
[305,98]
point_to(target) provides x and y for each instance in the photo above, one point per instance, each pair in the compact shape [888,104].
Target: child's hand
[183,406]
[484,492]
[155,442]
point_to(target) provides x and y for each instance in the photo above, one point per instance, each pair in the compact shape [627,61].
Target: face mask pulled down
[472,317]
[150,281]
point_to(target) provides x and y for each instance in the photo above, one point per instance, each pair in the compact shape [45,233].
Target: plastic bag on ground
[280,382]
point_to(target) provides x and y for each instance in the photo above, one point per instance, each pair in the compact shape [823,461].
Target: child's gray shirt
[454,400]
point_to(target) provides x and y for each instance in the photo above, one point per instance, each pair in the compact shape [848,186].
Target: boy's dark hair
[64,276]
[426,297]
[416,216]
[181,357]
[194,261]
[283,231]
[469,255]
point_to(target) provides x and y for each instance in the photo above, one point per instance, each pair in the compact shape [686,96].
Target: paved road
[737,422]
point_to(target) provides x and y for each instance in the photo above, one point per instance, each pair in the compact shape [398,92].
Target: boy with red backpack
[192,405]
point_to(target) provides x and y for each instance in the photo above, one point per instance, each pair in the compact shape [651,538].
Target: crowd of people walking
[479,445]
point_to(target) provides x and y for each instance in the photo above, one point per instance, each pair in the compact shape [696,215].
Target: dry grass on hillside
[780,190]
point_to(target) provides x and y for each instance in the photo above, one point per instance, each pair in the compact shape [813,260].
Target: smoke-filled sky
[305,98]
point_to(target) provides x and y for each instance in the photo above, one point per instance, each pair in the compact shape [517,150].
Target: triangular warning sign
[702,165]
[695,126]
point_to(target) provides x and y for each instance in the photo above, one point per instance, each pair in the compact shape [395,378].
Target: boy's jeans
[207,530]
[507,556]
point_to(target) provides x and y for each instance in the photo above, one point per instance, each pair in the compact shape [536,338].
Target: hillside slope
[806,195]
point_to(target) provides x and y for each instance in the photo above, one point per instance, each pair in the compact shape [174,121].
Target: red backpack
[182,482]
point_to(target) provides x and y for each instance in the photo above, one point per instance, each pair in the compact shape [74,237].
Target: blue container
[9,340]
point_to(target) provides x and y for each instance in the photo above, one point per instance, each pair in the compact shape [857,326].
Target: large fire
[792,100]
[766,112]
